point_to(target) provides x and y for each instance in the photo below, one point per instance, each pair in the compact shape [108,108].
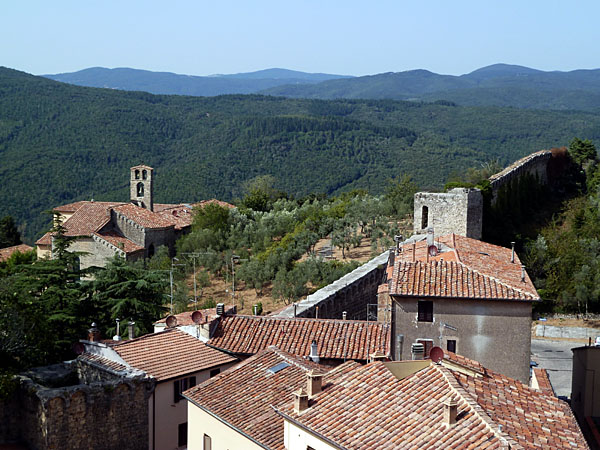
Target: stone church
[131,230]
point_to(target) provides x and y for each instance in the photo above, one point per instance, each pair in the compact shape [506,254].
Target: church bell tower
[141,187]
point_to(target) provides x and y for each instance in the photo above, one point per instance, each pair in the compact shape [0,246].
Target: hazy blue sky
[344,37]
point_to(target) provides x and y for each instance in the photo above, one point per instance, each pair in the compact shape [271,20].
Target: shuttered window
[425,311]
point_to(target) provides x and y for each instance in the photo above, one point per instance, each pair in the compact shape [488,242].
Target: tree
[290,285]
[129,292]
[582,151]
[212,217]
[9,235]
[399,195]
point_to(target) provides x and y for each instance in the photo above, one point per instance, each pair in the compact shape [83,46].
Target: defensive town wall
[351,294]
[53,408]
[461,210]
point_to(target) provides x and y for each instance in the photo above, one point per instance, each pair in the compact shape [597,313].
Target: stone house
[283,401]
[131,230]
[176,361]
[466,296]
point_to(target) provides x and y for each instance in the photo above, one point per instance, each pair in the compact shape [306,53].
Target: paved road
[557,358]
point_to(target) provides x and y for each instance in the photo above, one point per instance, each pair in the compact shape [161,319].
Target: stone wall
[535,165]
[458,211]
[351,294]
[112,414]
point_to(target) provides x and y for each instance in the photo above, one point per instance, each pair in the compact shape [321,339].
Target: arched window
[424,217]
[151,251]
[137,174]
[144,174]
[140,189]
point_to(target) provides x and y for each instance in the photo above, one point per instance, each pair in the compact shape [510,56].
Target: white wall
[295,438]
[222,436]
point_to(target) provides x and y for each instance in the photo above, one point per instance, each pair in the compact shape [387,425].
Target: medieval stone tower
[140,187]
[459,211]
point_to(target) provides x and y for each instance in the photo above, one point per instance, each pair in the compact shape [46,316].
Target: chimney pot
[344,315]
[315,383]
[300,401]
[316,312]
[94,333]
[378,356]
[450,411]
[522,273]
[417,350]
[117,336]
[512,254]
[131,326]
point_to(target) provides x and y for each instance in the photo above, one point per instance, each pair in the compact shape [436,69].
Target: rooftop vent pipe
[512,255]
[522,273]
[344,315]
[117,336]
[314,353]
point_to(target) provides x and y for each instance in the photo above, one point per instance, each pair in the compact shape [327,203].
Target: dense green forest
[60,143]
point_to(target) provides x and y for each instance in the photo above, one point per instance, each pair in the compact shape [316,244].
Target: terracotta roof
[7,251]
[543,380]
[118,240]
[370,405]
[463,268]
[105,362]
[180,215]
[144,217]
[185,318]
[87,218]
[243,396]
[170,354]
[336,339]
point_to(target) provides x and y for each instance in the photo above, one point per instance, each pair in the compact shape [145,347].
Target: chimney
[255,310]
[315,383]
[117,336]
[417,351]
[131,326]
[295,305]
[450,410]
[300,401]
[314,353]
[316,312]
[523,273]
[512,255]
[220,309]
[344,315]
[94,333]
[430,237]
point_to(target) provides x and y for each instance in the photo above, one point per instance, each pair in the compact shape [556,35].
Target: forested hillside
[60,143]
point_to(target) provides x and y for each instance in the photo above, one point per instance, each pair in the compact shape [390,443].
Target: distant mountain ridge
[127,79]
[495,85]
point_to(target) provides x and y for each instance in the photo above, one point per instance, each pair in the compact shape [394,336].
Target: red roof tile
[170,354]
[464,268]
[105,362]
[243,396]
[144,217]
[121,242]
[336,339]
[369,405]
[6,252]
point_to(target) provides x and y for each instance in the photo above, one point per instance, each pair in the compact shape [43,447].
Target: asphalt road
[557,358]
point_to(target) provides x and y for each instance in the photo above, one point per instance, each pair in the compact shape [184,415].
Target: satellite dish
[433,250]
[197,317]
[171,321]
[78,348]
[436,354]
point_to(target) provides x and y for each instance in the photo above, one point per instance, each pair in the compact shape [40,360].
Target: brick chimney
[315,383]
[300,401]
[450,410]
[94,333]
[131,326]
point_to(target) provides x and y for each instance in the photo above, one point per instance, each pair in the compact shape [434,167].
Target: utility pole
[171,278]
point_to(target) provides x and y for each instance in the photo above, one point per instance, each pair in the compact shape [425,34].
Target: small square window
[425,311]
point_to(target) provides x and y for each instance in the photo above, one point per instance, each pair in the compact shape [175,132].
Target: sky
[347,37]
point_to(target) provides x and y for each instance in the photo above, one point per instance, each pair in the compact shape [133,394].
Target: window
[137,174]
[144,174]
[424,217]
[215,372]
[207,442]
[427,345]
[140,189]
[425,311]
[451,345]
[182,385]
[182,434]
